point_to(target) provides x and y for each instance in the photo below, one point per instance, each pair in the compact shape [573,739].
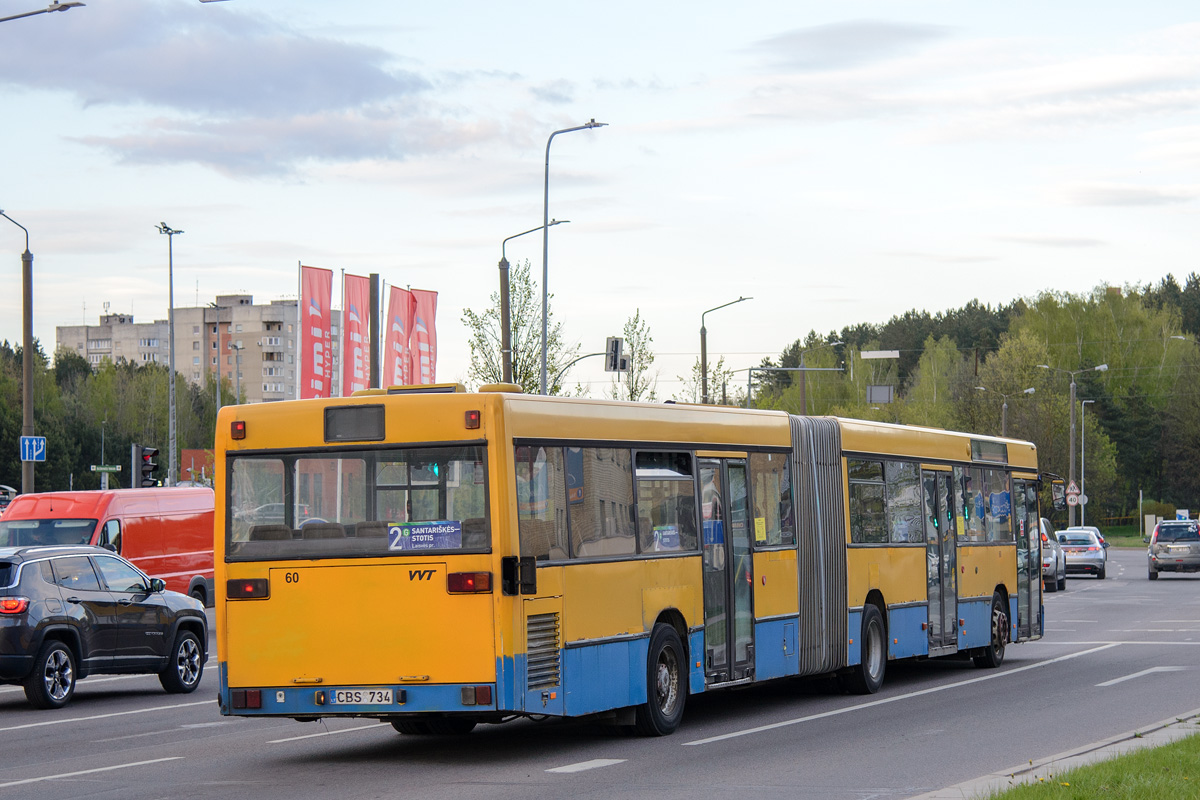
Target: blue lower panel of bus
[775,653]
[604,676]
[906,631]
[292,701]
[976,630]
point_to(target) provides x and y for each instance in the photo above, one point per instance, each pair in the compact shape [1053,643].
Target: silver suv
[1174,547]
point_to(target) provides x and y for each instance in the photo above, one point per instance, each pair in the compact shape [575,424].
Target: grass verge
[1170,772]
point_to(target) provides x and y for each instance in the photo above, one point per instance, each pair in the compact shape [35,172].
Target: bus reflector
[13,605]
[237,429]
[246,589]
[246,698]
[469,582]
[472,420]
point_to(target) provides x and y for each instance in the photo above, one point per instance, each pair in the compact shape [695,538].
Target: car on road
[67,612]
[1174,547]
[1085,552]
[1054,560]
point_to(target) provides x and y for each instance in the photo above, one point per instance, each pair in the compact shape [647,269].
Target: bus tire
[52,682]
[185,665]
[866,677]
[412,727]
[992,656]
[666,684]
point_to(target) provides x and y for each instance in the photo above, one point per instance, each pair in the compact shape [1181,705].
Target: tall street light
[1071,444]
[546,239]
[1004,406]
[505,304]
[171,232]
[55,6]
[1083,462]
[26,352]
[704,348]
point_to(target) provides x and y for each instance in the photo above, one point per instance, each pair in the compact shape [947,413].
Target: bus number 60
[291,577]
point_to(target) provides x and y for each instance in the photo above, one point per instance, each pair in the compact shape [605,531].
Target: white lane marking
[1140,674]
[595,763]
[90,682]
[907,696]
[104,716]
[88,771]
[329,733]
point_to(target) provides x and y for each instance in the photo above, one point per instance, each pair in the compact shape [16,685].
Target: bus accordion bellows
[440,560]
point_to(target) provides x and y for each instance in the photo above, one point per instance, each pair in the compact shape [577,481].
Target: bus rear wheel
[666,684]
[993,655]
[867,675]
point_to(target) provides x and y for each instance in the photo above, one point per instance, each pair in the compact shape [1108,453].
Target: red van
[166,532]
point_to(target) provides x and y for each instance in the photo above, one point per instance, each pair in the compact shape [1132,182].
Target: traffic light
[147,466]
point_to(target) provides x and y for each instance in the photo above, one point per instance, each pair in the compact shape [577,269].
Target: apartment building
[252,348]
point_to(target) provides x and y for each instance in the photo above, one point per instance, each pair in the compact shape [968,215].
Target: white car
[1054,560]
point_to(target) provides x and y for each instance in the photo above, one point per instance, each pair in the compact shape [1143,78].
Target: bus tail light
[477,695]
[237,429]
[246,698]
[247,589]
[469,582]
[13,605]
[472,420]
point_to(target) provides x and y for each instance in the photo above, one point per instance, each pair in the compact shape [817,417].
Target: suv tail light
[13,605]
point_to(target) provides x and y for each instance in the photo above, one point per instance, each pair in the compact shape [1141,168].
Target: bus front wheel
[867,675]
[666,684]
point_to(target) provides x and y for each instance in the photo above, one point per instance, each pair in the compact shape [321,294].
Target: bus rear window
[357,503]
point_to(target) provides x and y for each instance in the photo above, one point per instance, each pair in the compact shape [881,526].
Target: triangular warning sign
[1072,488]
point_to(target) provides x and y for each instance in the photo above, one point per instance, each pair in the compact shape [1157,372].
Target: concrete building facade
[250,348]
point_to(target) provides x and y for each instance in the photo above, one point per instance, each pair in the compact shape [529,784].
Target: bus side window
[110,537]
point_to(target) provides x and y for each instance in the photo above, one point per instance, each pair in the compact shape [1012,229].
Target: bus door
[941,560]
[728,572]
[1029,558]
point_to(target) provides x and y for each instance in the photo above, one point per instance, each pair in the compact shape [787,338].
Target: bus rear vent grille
[541,651]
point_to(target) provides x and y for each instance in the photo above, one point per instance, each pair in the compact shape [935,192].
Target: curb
[1153,735]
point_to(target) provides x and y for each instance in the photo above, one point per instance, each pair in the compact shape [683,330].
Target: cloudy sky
[837,162]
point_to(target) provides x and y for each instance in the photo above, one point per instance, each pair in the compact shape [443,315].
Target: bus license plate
[361,697]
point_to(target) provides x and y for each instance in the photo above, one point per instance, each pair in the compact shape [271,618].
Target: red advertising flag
[397,366]
[316,336]
[356,302]
[423,340]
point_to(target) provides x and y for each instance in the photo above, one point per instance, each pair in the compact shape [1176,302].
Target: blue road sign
[33,448]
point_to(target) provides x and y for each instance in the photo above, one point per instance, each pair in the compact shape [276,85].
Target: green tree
[720,385]
[487,364]
[636,383]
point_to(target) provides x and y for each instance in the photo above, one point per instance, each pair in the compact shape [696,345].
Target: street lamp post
[170,232]
[26,352]
[237,372]
[546,239]
[1004,406]
[1071,442]
[704,349]
[505,304]
[54,6]
[1083,462]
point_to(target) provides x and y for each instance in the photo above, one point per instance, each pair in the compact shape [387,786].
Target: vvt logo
[420,574]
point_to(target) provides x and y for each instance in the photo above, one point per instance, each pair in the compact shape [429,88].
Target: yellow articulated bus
[438,560]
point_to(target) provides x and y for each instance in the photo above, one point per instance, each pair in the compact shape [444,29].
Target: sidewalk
[1158,733]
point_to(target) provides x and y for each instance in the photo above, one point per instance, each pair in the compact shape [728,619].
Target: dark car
[67,612]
